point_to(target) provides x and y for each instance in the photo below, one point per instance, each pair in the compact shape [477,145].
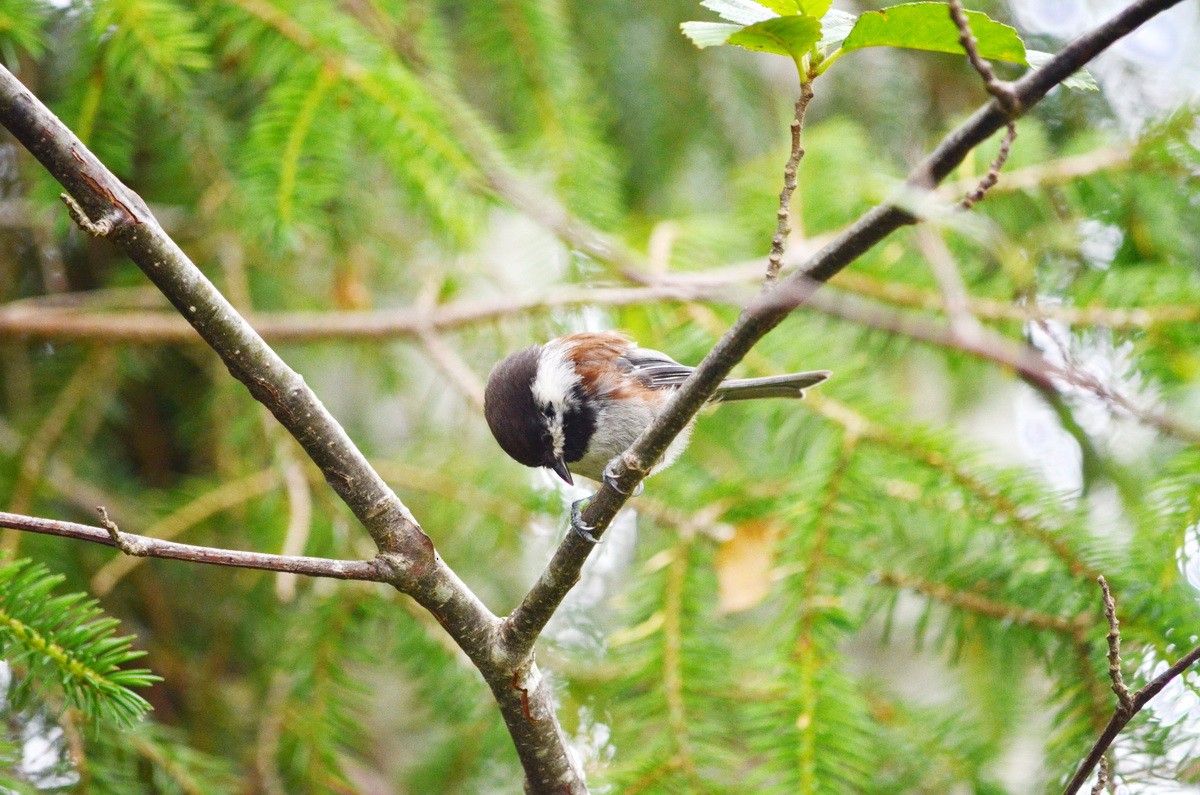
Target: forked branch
[1128,705]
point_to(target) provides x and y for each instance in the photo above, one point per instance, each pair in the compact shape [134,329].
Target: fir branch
[69,636]
[294,147]
[804,649]
[145,546]
[994,498]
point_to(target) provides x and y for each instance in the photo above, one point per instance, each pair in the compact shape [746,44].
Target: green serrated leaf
[927,26]
[709,34]
[1080,81]
[791,36]
[741,12]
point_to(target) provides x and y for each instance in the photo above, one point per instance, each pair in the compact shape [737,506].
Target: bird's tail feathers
[775,386]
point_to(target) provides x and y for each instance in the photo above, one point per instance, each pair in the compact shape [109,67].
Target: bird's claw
[611,477]
[578,526]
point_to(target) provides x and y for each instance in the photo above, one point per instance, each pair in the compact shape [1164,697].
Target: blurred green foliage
[913,550]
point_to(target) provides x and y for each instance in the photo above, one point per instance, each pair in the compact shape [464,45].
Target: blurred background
[887,588]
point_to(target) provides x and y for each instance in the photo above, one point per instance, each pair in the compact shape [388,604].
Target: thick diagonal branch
[523,626]
[104,206]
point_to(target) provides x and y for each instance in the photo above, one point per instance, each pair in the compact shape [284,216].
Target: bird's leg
[578,526]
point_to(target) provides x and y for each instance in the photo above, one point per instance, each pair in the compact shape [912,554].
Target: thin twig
[1010,103]
[993,173]
[783,215]
[453,367]
[1005,96]
[1101,777]
[131,545]
[145,546]
[1124,701]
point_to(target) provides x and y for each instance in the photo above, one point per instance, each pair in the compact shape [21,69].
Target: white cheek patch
[552,386]
[556,377]
[557,437]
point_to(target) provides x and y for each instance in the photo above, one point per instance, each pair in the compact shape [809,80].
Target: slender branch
[31,318]
[949,279]
[145,546]
[993,173]
[522,627]
[673,666]
[783,215]
[191,513]
[987,345]
[453,367]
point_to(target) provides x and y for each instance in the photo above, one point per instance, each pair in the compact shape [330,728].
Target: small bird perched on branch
[577,402]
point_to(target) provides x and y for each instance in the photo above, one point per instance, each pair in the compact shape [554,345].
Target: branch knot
[137,548]
[101,228]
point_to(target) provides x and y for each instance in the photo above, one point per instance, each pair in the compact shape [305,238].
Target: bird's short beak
[560,468]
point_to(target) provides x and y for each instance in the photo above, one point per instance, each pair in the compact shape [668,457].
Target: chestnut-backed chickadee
[577,402]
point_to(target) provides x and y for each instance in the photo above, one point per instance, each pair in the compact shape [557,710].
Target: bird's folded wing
[654,368]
